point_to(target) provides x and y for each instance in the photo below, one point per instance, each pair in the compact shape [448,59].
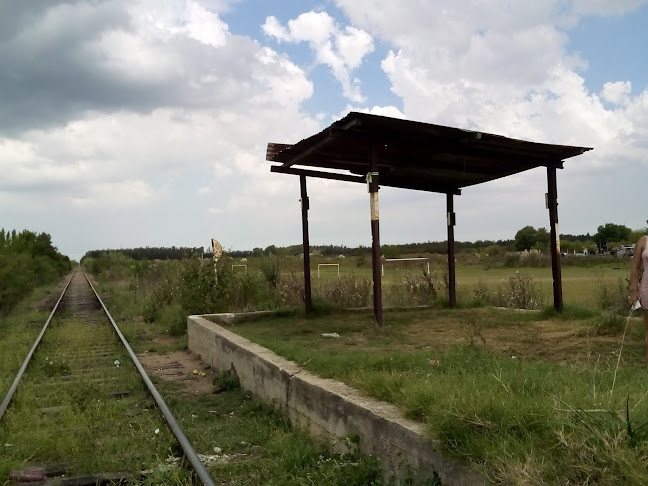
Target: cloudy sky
[127,123]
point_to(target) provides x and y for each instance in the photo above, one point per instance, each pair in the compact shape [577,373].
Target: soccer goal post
[328,265]
[239,265]
[418,259]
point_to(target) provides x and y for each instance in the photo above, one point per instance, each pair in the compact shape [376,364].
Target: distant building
[624,251]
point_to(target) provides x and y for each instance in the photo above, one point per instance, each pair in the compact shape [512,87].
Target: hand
[633,297]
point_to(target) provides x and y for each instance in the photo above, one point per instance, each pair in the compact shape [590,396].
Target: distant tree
[270,250]
[493,250]
[612,232]
[526,238]
[391,251]
[542,240]
[257,252]
[589,245]
[569,246]
[361,251]
[27,260]
[636,234]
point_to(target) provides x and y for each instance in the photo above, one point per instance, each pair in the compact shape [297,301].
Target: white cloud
[617,92]
[497,66]
[189,18]
[341,49]
[224,97]
[204,191]
[505,67]
[115,195]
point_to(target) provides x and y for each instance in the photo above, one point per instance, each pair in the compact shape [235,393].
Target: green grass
[522,421]
[258,444]
[18,331]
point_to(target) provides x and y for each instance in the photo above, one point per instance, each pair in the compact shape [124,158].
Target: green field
[582,281]
[580,284]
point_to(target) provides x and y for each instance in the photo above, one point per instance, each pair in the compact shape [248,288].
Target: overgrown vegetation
[27,260]
[496,387]
[166,292]
[533,410]
[519,291]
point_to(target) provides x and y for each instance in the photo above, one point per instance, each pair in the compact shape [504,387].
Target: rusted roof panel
[417,155]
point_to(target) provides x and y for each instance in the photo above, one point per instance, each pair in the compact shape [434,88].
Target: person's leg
[645,318]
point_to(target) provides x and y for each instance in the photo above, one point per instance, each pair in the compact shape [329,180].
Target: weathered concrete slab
[327,408]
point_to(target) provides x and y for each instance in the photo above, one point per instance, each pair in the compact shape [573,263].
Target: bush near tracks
[27,260]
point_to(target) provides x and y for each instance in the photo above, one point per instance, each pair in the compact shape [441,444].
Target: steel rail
[21,372]
[188,449]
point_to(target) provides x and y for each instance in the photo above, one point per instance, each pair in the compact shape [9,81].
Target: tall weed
[519,291]
[346,291]
[291,290]
[417,289]
[612,297]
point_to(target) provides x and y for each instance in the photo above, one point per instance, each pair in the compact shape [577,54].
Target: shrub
[422,289]
[271,270]
[519,291]
[226,381]
[197,285]
[290,290]
[174,319]
[346,291]
[613,298]
[27,260]
[511,260]
[609,324]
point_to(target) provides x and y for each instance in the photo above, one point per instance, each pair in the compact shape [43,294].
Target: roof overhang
[413,155]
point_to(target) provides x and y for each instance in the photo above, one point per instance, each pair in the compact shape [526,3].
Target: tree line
[607,236]
[152,253]
[27,260]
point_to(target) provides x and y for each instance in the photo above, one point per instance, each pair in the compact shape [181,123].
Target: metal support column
[552,204]
[305,206]
[372,181]
[450,217]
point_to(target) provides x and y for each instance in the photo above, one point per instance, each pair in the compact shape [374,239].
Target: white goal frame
[417,259]
[328,265]
[239,265]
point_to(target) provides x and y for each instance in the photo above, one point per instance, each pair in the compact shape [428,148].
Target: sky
[133,123]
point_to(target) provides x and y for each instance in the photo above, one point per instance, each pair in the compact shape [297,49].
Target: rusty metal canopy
[413,155]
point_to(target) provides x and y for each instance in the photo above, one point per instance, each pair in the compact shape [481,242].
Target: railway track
[82,410]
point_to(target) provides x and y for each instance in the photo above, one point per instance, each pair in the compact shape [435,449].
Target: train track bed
[240,440]
[81,406]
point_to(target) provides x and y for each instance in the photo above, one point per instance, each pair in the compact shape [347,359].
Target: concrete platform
[328,409]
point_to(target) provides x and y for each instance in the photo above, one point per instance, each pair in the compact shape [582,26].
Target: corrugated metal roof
[414,155]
